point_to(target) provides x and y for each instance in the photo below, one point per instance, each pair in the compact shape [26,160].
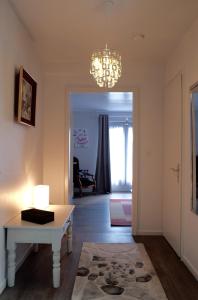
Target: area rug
[116,271]
[120,212]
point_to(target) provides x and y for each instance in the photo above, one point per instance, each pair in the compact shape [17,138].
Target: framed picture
[25,102]
[80,138]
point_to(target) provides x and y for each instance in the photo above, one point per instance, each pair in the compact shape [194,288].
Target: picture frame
[81,139]
[25,98]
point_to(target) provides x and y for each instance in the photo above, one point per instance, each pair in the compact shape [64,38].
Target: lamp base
[37,216]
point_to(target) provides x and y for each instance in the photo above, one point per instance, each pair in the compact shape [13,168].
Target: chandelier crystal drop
[106,67]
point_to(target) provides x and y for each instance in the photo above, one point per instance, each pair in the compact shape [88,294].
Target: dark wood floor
[91,223]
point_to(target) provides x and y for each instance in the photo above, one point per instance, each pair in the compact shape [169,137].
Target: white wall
[185,59]
[56,158]
[20,146]
[148,80]
[87,156]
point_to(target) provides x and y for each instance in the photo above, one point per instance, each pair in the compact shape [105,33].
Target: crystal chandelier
[106,67]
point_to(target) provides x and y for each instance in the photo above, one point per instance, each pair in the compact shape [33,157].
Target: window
[121,145]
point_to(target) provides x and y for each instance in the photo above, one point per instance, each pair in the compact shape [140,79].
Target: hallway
[91,223]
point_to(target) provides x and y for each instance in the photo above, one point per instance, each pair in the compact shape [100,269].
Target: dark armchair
[82,179]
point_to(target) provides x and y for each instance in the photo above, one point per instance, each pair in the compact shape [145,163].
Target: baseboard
[2,285]
[23,257]
[148,232]
[188,264]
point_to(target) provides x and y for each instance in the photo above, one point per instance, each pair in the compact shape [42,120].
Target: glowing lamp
[41,196]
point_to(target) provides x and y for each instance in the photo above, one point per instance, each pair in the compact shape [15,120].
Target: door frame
[135,114]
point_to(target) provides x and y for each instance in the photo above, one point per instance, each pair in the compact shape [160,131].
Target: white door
[172,163]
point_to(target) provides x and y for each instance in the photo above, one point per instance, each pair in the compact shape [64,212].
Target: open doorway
[85,110]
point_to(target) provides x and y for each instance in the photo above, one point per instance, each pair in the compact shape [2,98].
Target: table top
[61,214]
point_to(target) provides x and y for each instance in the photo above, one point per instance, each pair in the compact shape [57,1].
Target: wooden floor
[92,224]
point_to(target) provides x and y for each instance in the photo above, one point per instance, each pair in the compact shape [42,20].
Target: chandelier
[106,67]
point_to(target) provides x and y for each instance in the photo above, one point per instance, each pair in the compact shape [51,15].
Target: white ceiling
[98,102]
[68,31]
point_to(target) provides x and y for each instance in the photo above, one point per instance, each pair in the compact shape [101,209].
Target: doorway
[83,97]
[85,110]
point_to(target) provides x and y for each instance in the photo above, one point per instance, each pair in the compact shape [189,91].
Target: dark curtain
[103,171]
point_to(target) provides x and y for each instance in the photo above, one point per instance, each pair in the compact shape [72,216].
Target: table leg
[69,238]
[56,268]
[11,264]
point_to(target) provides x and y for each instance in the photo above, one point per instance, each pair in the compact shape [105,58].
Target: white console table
[19,231]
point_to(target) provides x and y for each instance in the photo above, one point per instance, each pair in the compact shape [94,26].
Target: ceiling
[68,31]
[102,102]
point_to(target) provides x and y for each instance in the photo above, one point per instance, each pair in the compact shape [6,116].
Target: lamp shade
[41,196]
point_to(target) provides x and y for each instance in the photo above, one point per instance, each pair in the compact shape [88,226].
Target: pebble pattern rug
[120,212]
[116,271]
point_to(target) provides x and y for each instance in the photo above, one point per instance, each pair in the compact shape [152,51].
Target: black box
[37,216]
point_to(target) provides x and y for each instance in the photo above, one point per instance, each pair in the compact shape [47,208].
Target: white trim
[181,169]
[2,285]
[182,166]
[135,114]
[191,268]
[135,188]
[68,181]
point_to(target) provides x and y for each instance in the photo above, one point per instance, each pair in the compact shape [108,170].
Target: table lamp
[41,196]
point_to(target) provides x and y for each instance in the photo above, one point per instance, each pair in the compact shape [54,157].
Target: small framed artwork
[80,138]
[25,102]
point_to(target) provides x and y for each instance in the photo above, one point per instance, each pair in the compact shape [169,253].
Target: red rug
[120,212]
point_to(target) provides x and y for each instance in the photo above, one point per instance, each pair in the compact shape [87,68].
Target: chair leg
[94,189]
